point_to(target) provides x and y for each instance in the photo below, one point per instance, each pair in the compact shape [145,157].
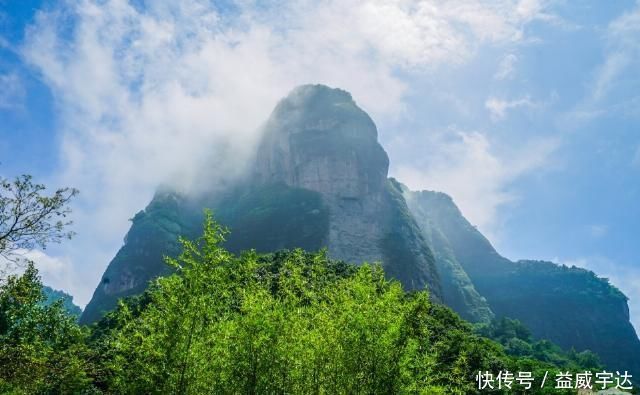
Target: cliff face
[572,307]
[320,181]
[154,233]
[318,139]
[459,292]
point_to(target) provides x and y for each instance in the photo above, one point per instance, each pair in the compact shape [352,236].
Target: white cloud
[608,74]
[623,34]
[12,92]
[498,108]
[56,272]
[464,165]
[507,67]
[176,92]
[613,88]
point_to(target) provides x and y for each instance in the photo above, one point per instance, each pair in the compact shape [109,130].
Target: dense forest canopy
[291,321]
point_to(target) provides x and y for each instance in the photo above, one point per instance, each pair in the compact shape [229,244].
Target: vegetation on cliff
[570,306]
[458,290]
[518,342]
[272,217]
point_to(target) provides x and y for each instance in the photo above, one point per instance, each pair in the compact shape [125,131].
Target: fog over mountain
[524,112]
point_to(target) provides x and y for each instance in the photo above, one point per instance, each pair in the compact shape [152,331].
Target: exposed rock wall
[319,139]
[320,180]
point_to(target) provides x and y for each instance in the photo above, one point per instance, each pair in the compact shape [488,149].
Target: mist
[175,94]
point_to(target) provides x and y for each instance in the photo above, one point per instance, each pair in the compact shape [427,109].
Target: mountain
[320,180]
[570,306]
[459,290]
[319,140]
[53,296]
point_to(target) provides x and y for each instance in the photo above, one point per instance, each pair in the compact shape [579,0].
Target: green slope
[459,292]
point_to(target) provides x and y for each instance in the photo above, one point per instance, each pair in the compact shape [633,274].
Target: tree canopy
[286,322]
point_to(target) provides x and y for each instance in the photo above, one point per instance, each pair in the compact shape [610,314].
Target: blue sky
[526,112]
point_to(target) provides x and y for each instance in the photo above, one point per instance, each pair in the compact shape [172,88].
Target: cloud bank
[175,92]
[465,165]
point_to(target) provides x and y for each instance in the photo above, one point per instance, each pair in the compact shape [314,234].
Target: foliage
[30,219]
[286,322]
[289,322]
[518,341]
[42,349]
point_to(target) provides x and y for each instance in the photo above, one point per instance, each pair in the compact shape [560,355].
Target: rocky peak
[320,181]
[317,138]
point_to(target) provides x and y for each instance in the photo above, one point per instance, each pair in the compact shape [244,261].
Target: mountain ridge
[320,180]
[570,306]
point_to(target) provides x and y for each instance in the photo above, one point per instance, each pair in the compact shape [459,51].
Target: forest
[284,322]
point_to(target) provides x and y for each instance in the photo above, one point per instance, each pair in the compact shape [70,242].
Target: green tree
[518,342]
[29,218]
[42,349]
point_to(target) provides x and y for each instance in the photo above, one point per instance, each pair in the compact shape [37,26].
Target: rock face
[459,291]
[320,180]
[318,139]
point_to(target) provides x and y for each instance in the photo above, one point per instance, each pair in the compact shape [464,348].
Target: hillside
[320,181]
[567,305]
